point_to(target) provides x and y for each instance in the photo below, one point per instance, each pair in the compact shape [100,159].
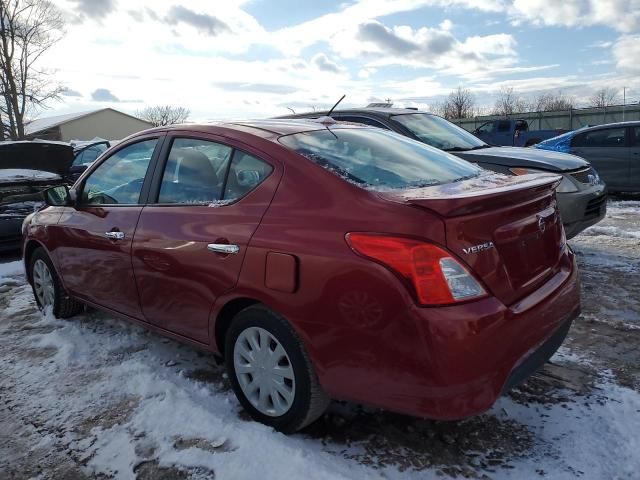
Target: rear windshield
[375,158]
[438,132]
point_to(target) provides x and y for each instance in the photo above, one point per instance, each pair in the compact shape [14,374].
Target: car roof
[269,129]
[374,111]
[630,123]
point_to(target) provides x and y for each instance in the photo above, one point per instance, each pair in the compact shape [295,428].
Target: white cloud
[621,15]
[627,53]
[202,53]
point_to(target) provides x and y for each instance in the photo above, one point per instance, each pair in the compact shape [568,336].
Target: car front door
[606,149]
[485,132]
[190,244]
[95,236]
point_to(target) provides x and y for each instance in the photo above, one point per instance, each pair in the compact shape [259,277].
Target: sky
[255,58]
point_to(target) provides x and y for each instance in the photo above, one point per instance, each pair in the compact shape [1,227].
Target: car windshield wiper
[462,149]
[456,149]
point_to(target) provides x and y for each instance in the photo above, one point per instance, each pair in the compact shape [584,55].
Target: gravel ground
[95,397]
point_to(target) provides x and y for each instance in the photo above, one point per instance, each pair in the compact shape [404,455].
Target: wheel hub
[264,371]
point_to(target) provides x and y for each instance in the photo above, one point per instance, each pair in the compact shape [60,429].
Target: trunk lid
[506,229]
[48,156]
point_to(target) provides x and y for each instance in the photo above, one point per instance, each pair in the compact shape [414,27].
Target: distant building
[105,123]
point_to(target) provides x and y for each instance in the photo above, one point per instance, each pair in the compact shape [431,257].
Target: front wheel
[47,288]
[270,372]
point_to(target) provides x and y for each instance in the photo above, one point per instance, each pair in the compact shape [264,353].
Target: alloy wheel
[43,284]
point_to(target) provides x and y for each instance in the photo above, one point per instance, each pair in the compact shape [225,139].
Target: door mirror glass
[57,196]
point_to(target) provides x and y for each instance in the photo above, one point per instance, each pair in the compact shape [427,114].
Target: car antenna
[292,110]
[334,107]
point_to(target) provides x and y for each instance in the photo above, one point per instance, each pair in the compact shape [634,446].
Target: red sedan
[320,260]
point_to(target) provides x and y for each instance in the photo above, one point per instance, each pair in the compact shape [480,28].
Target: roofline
[85,115]
[373,110]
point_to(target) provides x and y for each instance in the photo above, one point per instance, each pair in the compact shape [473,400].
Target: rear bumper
[579,210]
[458,360]
[536,360]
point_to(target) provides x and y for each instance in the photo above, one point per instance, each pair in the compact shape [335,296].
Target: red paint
[281,272]
[369,339]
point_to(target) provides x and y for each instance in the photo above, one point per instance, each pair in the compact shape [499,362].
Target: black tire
[64,306]
[310,401]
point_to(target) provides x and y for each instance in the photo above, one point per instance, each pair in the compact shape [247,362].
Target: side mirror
[59,196]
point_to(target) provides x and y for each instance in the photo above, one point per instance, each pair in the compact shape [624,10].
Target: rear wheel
[47,288]
[270,372]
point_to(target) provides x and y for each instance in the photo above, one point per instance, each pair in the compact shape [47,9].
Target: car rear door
[209,197]
[94,238]
[606,149]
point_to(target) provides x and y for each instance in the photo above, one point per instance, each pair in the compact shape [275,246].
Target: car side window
[504,126]
[118,180]
[245,174]
[89,155]
[486,128]
[195,172]
[362,120]
[606,137]
[635,136]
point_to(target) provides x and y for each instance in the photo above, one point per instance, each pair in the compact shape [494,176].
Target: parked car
[513,133]
[613,149]
[26,169]
[85,153]
[320,260]
[581,195]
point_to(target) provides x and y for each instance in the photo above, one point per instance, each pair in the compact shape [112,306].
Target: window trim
[156,182]
[144,192]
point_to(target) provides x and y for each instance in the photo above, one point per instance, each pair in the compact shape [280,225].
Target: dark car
[581,194]
[614,149]
[513,133]
[321,261]
[26,169]
[85,153]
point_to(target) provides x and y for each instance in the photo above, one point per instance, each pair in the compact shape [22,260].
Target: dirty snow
[96,397]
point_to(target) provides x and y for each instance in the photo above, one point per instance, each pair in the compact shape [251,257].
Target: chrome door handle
[114,235]
[223,248]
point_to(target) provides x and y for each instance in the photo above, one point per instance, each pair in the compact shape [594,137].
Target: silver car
[613,150]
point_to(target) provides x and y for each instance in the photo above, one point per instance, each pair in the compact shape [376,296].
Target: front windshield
[438,132]
[379,159]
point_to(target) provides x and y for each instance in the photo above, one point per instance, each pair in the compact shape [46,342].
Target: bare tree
[604,97]
[28,28]
[460,103]
[509,102]
[550,101]
[162,115]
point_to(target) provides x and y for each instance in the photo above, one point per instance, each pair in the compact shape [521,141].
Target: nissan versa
[321,260]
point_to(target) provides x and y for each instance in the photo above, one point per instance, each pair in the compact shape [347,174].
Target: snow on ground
[94,396]
[9,269]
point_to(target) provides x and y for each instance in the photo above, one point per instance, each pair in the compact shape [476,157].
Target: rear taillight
[436,277]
